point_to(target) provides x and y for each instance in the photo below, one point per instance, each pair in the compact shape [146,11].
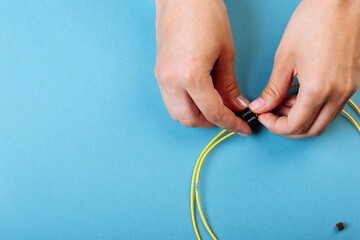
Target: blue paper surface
[88,150]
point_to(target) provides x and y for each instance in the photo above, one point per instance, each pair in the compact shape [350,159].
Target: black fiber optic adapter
[249,117]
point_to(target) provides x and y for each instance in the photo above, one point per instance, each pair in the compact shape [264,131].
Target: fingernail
[242,101]
[244,134]
[257,103]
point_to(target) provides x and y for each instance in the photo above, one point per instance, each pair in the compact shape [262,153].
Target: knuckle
[213,116]
[354,77]
[271,89]
[168,81]
[318,91]
[316,133]
[189,77]
[356,84]
[190,72]
[298,129]
[344,91]
[188,122]
[173,117]
[231,87]
[164,74]
[341,92]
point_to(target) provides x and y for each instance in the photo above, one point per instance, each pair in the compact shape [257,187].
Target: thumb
[275,91]
[225,83]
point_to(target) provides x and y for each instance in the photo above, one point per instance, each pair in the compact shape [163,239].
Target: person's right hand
[193,40]
[321,46]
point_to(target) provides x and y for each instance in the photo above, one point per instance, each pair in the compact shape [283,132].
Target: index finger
[211,105]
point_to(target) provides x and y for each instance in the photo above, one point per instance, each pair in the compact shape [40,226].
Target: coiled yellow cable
[193,180]
[197,183]
[354,105]
[348,115]
[199,162]
[352,120]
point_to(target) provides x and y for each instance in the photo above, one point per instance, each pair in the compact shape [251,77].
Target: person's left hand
[321,46]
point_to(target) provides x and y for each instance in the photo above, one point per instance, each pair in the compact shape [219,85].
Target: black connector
[249,117]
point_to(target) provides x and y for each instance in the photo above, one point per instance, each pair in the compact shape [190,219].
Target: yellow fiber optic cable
[354,105]
[352,120]
[201,159]
[348,115]
[193,182]
[197,182]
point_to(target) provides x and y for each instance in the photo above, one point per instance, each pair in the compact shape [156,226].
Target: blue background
[88,151]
